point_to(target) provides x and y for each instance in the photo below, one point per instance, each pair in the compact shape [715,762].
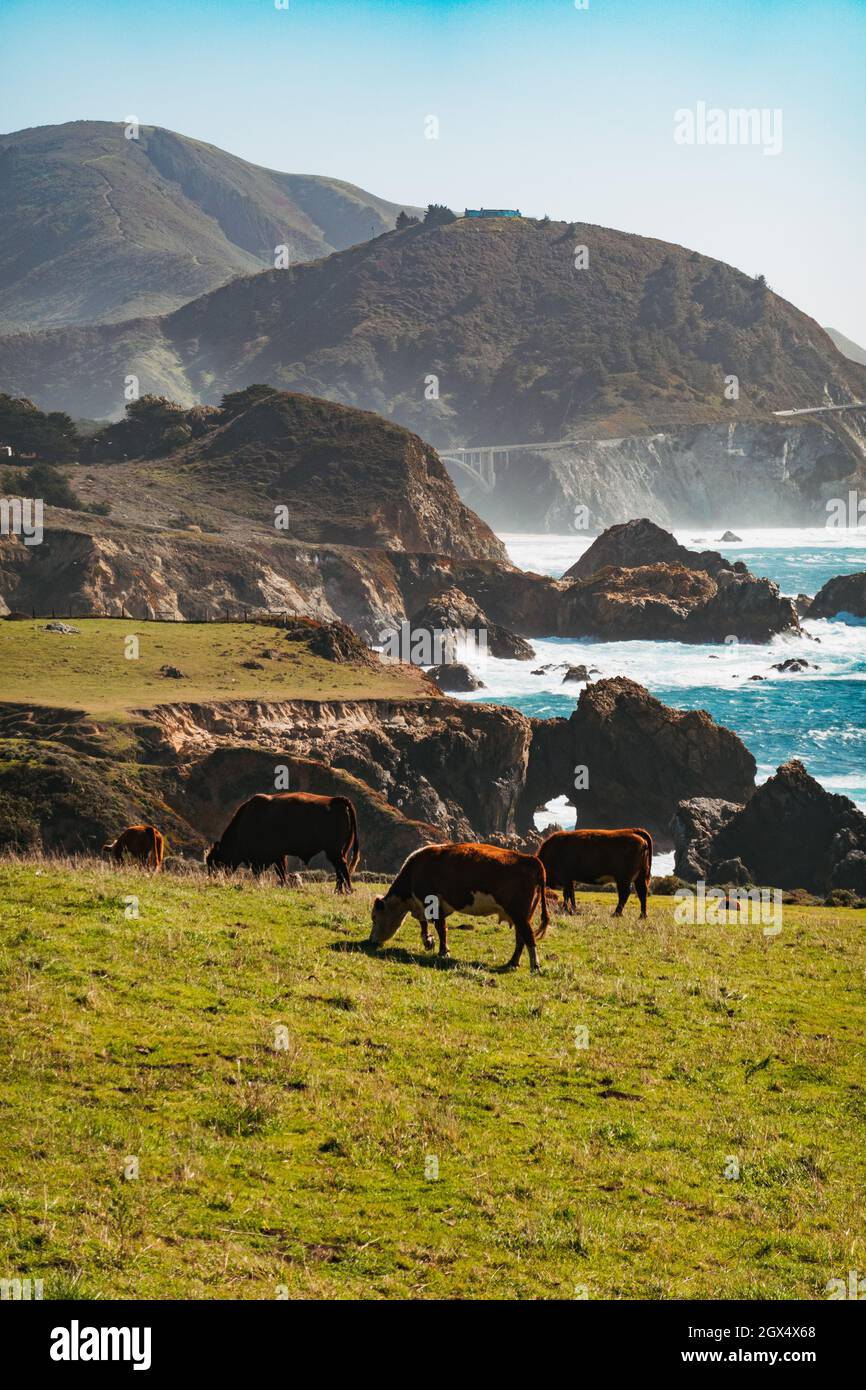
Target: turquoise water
[818,716]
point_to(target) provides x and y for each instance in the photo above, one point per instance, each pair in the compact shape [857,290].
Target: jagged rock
[576,673]
[694,826]
[637,580]
[729,538]
[63,628]
[452,611]
[730,871]
[794,834]
[750,608]
[846,593]
[641,542]
[793,665]
[171,673]
[642,759]
[757,678]
[803,604]
[333,641]
[455,676]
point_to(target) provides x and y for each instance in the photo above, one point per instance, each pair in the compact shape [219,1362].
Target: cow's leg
[568,898]
[623,890]
[426,933]
[640,886]
[523,927]
[519,943]
[341,869]
[440,922]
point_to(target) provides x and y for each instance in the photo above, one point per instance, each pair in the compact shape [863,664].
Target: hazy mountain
[494,316]
[847,347]
[97,227]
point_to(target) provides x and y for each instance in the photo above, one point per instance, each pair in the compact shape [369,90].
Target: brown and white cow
[269,827]
[479,880]
[141,842]
[623,857]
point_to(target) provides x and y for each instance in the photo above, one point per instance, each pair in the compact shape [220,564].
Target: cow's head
[386,917]
[214,856]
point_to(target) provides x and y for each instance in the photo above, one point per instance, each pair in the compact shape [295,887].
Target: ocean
[818,716]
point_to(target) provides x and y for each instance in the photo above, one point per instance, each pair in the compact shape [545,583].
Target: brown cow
[269,827]
[141,842]
[599,856]
[480,880]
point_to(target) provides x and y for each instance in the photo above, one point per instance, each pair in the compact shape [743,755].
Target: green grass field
[308,1170]
[91,670]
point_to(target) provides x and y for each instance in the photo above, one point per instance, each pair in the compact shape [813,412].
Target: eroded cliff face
[749,474]
[188,575]
[417,770]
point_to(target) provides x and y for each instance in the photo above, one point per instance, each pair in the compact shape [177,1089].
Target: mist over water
[818,715]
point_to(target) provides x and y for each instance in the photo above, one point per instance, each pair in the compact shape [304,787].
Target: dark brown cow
[599,856]
[141,842]
[480,880]
[269,827]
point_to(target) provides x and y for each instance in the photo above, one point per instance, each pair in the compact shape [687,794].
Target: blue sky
[541,106]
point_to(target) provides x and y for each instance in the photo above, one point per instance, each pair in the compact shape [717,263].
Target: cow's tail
[648,854]
[545,916]
[353,849]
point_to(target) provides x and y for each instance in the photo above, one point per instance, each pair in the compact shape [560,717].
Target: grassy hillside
[90,670]
[524,345]
[97,227]
[562,1171]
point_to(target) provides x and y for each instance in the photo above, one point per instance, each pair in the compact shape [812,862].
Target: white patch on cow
[485,905]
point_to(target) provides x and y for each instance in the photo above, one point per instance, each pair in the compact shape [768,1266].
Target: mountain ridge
[468,332]
[133,227]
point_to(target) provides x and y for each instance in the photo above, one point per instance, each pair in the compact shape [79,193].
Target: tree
[404,219]
[438,215]
[52,437]
[52,486]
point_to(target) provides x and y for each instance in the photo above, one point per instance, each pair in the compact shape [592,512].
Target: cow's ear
[377,902]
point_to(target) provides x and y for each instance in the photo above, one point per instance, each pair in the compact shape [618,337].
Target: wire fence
[237,613]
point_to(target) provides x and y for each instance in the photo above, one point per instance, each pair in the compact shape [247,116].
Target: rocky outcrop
[844,595]
[623,758]
[455,676]
[694,827]
[790,834]
[638,580]
[642,542]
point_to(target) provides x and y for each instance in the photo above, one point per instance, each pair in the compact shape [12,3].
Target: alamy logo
[702,905]
[421,646]
[18,1289]
[737,126]
[22,516]
[854,1288]
[77,1343]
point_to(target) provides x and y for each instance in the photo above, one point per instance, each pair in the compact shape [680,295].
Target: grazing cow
[269,827]
[480,880]
[599,856]
[141,842]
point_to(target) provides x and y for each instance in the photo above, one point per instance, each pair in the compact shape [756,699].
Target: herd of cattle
[435,881]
